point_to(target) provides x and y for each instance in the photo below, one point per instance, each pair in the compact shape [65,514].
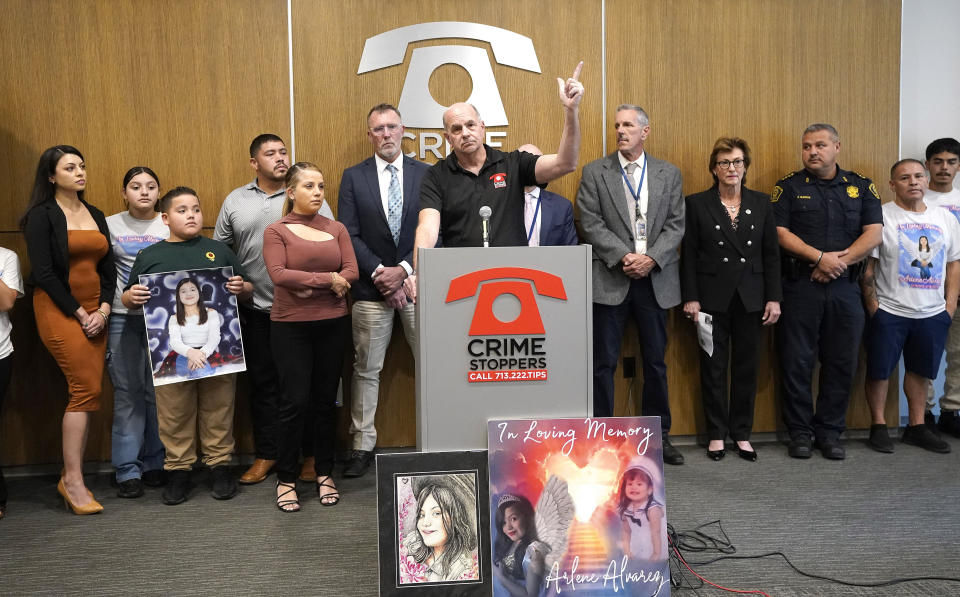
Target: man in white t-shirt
[910,290]
[943,160]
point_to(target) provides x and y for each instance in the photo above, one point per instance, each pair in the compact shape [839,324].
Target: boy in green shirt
[211,399]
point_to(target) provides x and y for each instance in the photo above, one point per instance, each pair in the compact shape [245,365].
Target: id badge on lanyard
[640,222]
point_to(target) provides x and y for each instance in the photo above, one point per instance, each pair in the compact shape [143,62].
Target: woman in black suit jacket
[730,270]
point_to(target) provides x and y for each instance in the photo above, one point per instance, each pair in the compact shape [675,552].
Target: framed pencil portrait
[433,520]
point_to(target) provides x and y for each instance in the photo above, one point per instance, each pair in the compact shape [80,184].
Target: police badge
[853,192]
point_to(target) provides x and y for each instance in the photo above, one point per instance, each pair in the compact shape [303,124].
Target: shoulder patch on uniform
[873,189]
[775,195]
[788,176]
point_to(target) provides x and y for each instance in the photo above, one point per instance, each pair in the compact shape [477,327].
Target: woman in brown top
[311,262]
[73,272]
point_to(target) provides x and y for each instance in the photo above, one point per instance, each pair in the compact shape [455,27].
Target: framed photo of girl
[432,524]
[193,330]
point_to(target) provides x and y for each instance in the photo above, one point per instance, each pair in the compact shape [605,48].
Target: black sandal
[332,498]
[285,505]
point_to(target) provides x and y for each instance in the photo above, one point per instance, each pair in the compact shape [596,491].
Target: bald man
[476,175]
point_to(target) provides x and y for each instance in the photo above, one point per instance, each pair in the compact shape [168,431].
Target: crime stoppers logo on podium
[512,350]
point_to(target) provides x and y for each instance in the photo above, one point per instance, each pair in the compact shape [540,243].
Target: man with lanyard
[245,214]
[632,212]
[548,217]
[828,221]
[476,175]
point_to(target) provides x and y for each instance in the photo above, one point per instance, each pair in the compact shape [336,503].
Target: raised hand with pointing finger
[571,90]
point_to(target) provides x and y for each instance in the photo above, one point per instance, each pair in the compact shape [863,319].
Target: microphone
[485,213]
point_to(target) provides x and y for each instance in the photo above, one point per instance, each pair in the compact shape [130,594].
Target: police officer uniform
[821,320]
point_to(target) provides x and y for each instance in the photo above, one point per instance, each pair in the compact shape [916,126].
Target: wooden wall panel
[177,85]
[332,101]
[184,86]
[331,104]
[762,70]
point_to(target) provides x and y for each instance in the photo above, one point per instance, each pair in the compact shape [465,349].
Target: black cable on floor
[699,540]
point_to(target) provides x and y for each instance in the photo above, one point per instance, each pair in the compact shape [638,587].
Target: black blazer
[360,209]
[46,234]
[717,261]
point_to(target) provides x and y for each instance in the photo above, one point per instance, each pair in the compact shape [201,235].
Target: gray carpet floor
[869,518]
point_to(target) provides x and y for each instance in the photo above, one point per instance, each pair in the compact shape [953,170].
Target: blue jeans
[136,445]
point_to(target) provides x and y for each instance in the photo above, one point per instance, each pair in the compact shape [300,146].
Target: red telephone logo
[496,282]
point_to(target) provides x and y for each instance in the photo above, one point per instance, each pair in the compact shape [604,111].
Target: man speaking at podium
[476,175]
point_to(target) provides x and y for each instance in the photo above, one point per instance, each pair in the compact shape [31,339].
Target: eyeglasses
[390,128]
[725,164]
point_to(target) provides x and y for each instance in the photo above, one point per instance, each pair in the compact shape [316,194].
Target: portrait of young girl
[643,523]
[437,518]
[193,330]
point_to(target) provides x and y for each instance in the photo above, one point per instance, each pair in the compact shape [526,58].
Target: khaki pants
[372,329]
[199,406]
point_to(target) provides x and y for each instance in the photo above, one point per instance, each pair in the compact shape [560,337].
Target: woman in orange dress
[74,278]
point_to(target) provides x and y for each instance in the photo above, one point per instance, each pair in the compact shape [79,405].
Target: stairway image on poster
[578,505]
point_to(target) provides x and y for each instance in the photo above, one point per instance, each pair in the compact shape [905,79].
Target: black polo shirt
[459,194]
[828,215]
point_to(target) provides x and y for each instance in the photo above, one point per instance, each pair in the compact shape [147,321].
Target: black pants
[309,357]
[264,382]
[6,368]
[825,322]
[734,332]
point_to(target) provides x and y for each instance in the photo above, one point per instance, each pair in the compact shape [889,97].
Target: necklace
[731,208]
[733,211]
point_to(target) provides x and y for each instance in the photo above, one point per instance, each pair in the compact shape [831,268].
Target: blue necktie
[394,204]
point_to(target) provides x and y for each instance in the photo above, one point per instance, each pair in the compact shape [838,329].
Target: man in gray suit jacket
[632,212]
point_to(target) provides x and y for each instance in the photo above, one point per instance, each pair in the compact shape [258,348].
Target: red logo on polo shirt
[499,180]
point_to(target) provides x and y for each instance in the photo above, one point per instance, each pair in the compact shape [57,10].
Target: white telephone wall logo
[419,109]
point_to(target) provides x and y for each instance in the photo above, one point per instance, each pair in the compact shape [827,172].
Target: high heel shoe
[63,473]
[327,499]
[285,504]
[716,455]
[748,455]
[91,507]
